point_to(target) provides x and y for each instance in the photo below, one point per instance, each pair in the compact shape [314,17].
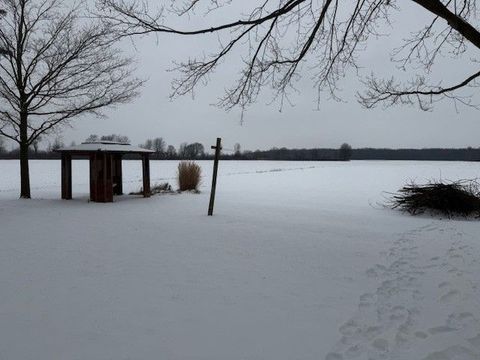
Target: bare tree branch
[387,92]
[282,36]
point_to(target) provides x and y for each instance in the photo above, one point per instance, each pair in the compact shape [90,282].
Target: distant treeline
[464,154]
[196,151]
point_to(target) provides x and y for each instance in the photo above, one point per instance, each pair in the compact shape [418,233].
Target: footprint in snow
[450,296]
[421,335]
[376,270]
[440,329]
[462,320]
[366,300]
[380,344]
[443,284]
[475,341]
[455,352]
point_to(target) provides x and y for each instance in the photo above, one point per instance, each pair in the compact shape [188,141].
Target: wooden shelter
[105,168]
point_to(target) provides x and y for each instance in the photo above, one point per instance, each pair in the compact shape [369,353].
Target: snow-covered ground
[299,262]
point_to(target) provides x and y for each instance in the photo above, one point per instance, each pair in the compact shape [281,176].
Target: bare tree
[194,151]
[92,138]
[158,145]
[279,36]
[171,152]
[148,144]
[116,138]
[182,150]
[57,144]
[237,149]
[345,152]
[36,144]
[62,64]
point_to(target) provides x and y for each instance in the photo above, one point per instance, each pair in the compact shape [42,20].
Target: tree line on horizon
[196,151]
[330,154]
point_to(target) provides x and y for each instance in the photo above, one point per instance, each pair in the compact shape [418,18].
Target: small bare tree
[345,152]
[237,149]
[57,144]
[92,138]
[61,64]
[279,36]
[116,138]
[148,144]
[36,144]
[158,145]
[171,152]
[182,150]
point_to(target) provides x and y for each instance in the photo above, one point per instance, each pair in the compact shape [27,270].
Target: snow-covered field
[299,262]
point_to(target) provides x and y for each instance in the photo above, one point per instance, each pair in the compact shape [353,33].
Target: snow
[299,262]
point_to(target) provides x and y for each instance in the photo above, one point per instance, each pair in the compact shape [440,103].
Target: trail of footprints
[389,322]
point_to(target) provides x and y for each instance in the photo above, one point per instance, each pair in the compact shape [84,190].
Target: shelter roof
[105,146]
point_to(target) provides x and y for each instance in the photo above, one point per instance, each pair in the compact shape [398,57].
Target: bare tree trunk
[24,170]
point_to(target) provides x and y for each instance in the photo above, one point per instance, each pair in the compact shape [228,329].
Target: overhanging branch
[388,92]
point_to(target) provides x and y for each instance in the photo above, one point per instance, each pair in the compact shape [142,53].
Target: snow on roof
[107,146]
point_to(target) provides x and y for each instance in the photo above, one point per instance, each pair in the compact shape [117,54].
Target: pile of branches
[450,199]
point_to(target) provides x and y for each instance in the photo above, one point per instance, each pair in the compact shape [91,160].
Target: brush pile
[450,199]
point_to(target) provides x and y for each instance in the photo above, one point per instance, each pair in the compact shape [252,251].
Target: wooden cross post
[217,148]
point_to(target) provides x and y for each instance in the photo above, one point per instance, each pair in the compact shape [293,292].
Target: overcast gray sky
[195,119]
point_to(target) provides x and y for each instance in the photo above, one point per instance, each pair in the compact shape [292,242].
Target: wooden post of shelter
[101,182]
[117,175]
[66,164]
[218,148]
[93,174]
[146,175]
[108,177]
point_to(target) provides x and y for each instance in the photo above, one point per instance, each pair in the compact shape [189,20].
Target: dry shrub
[189,175]
[455,198]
